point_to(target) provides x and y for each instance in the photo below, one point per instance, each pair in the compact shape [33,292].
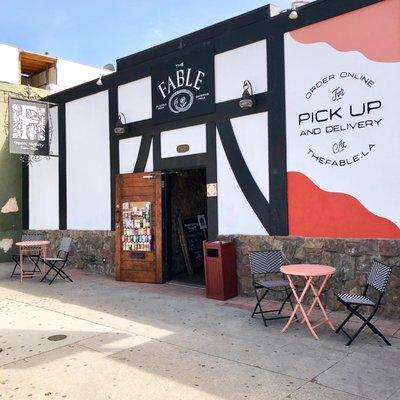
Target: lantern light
[293,11]
[99,81]
[121,127]
[247,100]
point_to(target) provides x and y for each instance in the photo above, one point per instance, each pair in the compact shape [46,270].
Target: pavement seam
[328,387]
[391,394]
[314,379]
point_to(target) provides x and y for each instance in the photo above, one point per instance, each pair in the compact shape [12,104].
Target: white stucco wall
[134,99]
[149,164]
[128,152]
[251,133]
[88,163]
[194,136]
[235,215]
[43,185]
[9,65]
[233,67]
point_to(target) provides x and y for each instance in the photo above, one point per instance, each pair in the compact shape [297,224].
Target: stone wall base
[91,250]
[94,252]
[351,257]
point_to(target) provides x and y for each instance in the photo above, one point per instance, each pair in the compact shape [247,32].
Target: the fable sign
[28,123]
[342,121]
[184,87]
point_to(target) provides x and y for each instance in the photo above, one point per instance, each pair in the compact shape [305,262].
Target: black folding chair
[56,264]
[33,255]
[262,264]
[378,280]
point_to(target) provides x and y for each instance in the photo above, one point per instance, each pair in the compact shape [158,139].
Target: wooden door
[138,228]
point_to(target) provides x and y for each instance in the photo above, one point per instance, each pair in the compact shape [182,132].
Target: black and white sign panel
[28,127]
[184,86]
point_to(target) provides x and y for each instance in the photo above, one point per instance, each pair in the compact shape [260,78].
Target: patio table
[309,272]
[26,248]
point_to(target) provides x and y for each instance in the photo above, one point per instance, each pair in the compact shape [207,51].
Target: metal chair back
[63,249]
[265,262]
[379,276]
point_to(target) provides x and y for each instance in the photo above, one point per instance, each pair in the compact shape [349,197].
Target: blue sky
[99,32]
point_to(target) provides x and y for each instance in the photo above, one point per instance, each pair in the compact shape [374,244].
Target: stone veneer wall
[351,257]
[90,250]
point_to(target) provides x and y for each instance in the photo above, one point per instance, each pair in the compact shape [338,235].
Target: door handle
[117,215]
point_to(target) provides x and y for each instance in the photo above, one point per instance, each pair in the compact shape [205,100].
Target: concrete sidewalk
[139,341]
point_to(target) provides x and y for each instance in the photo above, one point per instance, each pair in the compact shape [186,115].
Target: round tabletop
[307,269]
[32,243]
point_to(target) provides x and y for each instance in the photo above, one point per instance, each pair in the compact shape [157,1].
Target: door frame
[167,226]
[207,160]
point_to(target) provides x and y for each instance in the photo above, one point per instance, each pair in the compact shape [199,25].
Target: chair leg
[60,272]
[341,326]
[15,267]
[258,302]
[66,276]
[35,260]
[380,334]
[63,274]
[367,323]
[288,294]
[51,266]
[52,280]
[258,305]
[356,334]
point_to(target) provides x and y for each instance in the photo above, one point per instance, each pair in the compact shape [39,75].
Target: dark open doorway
[186,202]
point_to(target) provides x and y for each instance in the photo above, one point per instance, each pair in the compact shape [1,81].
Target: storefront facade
[310,168]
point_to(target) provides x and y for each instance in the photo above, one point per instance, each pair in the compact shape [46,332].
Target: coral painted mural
[343,144]
[312,208]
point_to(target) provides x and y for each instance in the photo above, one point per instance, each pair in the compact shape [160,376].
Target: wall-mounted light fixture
[247,100]
[99,81]
[121,127]
[293,13]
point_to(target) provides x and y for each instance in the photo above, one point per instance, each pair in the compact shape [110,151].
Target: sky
[98,32]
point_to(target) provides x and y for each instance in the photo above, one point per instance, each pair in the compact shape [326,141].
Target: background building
[311,168]
[26,74]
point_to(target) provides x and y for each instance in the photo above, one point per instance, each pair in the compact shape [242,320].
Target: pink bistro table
[26,248]
[308,272]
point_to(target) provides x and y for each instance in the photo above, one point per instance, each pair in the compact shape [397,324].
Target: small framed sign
[28,122]
[183,87]
[201,218]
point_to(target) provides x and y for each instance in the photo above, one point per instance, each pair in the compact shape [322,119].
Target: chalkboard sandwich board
[191,237]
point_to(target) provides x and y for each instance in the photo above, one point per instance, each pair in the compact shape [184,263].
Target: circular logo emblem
[181,101]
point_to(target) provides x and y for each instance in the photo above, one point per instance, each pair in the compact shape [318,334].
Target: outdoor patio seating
[33,255]
[378,280]
[262,264]
[57,264]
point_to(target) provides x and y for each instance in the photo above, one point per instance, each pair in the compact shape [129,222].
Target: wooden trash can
[220,270]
